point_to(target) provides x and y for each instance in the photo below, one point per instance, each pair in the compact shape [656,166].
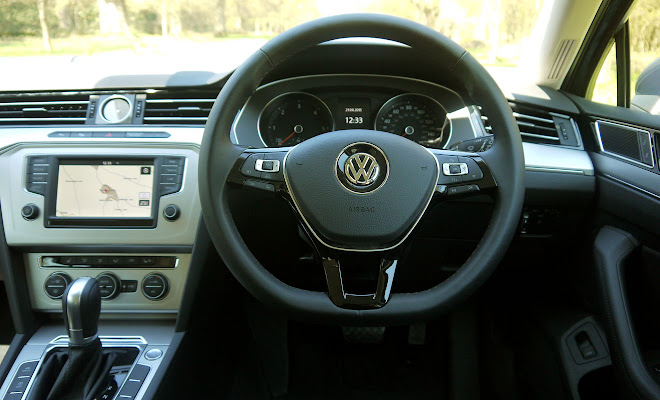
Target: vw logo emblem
[361,169]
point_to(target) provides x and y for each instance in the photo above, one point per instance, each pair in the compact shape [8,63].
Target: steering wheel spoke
[463,175]
[260,169]
[341,298]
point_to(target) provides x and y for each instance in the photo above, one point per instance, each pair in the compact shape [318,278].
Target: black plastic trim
[557,188]
[155,385]
[11,266]
[611,250]
[622,40]
[15,348]
[51,221]
[200,254]
[93,248]
[629,204]
[608,20]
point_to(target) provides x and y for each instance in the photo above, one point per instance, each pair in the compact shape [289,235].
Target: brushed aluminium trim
[128,115]
[53,119]
[12,136]
[73,308]
[42,103]
[170,101]
[126,303]
[106,340]
[627,127]
[560,159]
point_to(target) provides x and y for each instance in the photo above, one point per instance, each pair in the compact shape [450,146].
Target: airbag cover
[361,190]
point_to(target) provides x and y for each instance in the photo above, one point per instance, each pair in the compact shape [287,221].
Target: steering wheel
[360,192]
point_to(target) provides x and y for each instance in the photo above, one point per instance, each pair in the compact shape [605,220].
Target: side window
[645,56]
[605,88]
[632,77]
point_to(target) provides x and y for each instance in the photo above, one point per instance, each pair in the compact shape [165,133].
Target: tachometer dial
[416,117]
[292,118]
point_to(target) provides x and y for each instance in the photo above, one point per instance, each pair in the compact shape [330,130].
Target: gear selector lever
[81,372]
[81,305]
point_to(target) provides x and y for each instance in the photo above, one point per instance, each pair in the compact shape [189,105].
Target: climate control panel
[128,282]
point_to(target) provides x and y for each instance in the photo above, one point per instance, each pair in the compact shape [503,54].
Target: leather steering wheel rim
[218,155]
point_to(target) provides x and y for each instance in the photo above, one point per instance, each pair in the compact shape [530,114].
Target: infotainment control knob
[30,211]
[171,212]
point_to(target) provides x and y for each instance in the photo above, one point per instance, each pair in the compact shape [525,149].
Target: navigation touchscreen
[105,189]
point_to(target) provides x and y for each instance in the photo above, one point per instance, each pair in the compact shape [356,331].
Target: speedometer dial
[416,117]
[292,118]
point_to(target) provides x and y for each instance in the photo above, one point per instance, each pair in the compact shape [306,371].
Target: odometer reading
[292,118]
[416,117]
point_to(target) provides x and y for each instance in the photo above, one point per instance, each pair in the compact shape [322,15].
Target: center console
[123,212]
[126,216]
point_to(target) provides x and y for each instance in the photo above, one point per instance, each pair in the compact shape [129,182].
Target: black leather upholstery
[78,374]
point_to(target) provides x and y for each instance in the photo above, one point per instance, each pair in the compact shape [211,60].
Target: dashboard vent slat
[44,110]
[536,125]
[181,108]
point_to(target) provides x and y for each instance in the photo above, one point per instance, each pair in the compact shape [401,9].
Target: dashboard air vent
[185,108]
[43,110]
[540,126]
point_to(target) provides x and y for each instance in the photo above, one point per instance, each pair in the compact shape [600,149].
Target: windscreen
[88,43]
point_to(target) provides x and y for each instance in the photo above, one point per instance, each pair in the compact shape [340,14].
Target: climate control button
[56,284]
[109,285]
[155,286]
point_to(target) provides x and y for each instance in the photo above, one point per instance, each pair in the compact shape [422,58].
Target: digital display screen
[354,114]
[105,189]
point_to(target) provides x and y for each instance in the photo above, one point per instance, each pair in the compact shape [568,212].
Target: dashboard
[104,182]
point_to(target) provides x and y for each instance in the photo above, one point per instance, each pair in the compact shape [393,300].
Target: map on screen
[104,189]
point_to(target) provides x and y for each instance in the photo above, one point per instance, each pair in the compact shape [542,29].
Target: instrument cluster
[294,117]
[290,111]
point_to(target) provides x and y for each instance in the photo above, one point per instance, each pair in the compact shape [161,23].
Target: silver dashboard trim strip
[548,158]
[555,170]
[12,136]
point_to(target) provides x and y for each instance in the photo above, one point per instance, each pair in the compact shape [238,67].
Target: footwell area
[323,365]
[366,372]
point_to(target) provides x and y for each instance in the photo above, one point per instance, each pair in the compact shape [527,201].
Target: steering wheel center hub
[366,198]
[362,168]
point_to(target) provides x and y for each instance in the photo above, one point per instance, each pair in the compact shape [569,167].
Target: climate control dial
[56,284]
[155,286]
[109,284]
